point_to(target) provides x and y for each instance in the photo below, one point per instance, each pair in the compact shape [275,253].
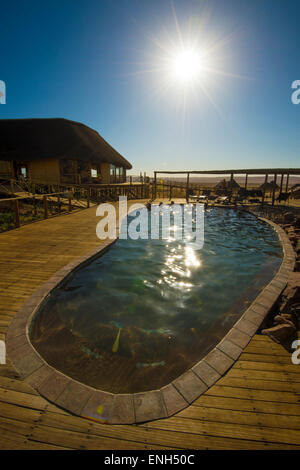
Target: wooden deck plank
[279,375]
[267,351]
[260,384]
[244,404]
[23,399]
[126,433]
[255,433]
[173,439]
[8,383]
[12,441]
[77,440]
[7,370]
[266,366]
[251,357]
[241,417]
[254,393]
[19,413]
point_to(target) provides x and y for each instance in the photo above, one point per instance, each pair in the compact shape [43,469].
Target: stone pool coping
[105,407]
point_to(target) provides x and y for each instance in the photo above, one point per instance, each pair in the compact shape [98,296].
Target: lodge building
[57,151]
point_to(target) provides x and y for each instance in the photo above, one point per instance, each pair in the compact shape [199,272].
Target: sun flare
[187,65]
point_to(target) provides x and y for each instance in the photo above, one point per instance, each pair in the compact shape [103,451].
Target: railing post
[287,183]
[274,189]
[88,198]
[34,207]
[17,213]
[70,201]
[12,187]
[58,203]
[231,186]
[264,190]
[281,183]
[45,207]
[187,188]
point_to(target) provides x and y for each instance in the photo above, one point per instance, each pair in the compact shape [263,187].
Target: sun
[187,65]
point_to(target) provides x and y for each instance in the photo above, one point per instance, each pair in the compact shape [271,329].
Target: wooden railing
[97,192]
[38,201]
[169,189]
[17,211]
[174,189]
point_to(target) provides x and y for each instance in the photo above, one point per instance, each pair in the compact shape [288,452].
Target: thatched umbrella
[269,186]
[295,194]
[233,185]
[221,185]
[225,186]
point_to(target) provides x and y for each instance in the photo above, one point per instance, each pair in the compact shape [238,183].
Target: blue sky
[100,63]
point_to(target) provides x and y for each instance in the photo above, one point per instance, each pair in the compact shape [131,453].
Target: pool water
[145,311]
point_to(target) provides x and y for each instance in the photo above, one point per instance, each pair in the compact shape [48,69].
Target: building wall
[55,171]
[69,171]
[44,171]
[5,170]
[105,172]
[112,174]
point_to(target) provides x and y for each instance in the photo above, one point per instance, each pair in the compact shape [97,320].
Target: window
[24,171]
[94,173]
[121,171]
[112,170]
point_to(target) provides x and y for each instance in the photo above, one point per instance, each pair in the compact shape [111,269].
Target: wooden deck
[256,405]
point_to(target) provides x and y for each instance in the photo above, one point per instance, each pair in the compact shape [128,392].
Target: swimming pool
[141,314]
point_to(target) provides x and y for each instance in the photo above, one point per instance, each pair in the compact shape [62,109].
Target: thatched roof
[269,186]
[39,139]
[295,194]
[230,184]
